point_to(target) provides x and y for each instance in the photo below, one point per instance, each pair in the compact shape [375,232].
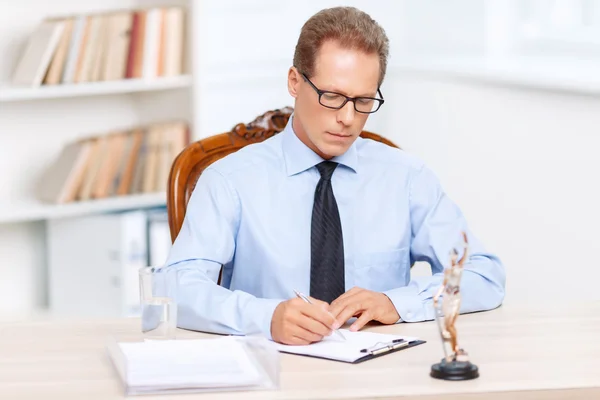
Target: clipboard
[359,347]
[388,348]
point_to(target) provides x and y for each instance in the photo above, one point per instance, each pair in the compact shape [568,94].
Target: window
[559,27]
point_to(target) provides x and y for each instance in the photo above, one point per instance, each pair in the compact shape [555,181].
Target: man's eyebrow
[370,94]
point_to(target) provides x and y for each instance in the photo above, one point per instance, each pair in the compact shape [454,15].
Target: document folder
[358,346]
[228,363]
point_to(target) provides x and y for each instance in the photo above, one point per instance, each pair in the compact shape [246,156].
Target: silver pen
[307,300]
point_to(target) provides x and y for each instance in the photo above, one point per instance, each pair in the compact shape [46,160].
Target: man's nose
[346,114]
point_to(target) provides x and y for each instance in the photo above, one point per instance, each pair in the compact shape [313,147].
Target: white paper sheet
[349,350]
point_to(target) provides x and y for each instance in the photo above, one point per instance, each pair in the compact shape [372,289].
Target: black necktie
[326,241]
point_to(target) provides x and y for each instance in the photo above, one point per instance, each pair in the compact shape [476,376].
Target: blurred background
[499,97]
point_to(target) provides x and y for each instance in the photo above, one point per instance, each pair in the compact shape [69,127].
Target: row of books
[144,43]
[136,160]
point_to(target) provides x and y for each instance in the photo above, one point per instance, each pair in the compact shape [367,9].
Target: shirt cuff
[260,311]
[408,304]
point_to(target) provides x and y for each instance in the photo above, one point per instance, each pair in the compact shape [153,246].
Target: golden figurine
[455,365]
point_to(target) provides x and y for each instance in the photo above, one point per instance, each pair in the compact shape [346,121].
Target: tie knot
[326,169]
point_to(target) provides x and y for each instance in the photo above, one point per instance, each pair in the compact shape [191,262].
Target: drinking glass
[158,287]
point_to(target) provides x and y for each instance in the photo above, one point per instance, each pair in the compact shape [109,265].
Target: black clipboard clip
[384,347]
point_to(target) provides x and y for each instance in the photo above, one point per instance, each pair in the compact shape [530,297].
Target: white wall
[523,166]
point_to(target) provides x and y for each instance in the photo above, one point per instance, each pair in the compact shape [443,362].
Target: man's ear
[294,79]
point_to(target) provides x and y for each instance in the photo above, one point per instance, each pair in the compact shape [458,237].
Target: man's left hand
[366,305]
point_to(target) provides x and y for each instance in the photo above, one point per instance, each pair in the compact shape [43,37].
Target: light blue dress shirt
[251,212]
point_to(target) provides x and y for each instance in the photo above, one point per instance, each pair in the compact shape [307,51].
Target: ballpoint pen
[307,300]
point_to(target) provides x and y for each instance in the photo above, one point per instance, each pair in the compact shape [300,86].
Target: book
[151,162]
[126,161]
[122,44]
[109,166]
[126,178]
[63,179]
[151,50]
[93,169]
[173,40]
[59,60]
[90,50]
[115,63]
[70,67]
[37,55]
[102,47]
[136,47]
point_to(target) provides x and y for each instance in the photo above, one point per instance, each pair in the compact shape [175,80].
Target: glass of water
[158,287]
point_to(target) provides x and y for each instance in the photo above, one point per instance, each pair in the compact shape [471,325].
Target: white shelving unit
[37,122]
[28,211]
[12,94]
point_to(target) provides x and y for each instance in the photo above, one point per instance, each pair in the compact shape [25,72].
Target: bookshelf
[78,70]
[12,94]
[38,119]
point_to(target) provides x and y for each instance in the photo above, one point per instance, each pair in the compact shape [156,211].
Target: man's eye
[330,96]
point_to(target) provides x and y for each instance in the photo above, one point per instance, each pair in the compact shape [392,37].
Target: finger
[313,326]
[338,306]
[361,321]
[302,333]
[318,314]
[344,296]
[357,297]
[296,341]
[306,322]
[349,311]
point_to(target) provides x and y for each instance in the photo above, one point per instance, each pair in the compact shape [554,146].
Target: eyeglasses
[334,100]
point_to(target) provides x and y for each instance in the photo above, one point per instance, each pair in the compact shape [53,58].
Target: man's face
[353,73]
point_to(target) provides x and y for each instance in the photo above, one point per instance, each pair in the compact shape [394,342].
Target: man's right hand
[296,322]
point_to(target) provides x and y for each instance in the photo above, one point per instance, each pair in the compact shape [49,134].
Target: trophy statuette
[455,366]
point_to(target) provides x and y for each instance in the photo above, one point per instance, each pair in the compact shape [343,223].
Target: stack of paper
[185,365]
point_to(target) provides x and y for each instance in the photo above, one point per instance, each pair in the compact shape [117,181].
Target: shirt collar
[298,157]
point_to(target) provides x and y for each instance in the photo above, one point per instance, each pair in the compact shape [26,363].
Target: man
[320,210]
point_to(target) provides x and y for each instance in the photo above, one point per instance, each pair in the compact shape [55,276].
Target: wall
[522,164]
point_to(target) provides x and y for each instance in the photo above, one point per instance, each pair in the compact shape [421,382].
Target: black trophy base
[454,370]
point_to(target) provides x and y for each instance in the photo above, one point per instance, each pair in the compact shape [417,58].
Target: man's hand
[297,322]
[366,305]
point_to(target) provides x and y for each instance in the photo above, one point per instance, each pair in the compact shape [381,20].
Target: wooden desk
[549,354]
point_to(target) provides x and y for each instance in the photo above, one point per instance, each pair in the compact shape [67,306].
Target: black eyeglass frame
[320,92]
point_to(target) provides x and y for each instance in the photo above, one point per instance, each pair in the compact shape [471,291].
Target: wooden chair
[190,163]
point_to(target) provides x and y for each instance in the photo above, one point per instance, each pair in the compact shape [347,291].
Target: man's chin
[332,150]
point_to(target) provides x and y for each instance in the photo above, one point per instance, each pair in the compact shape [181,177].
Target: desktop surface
[522,353]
